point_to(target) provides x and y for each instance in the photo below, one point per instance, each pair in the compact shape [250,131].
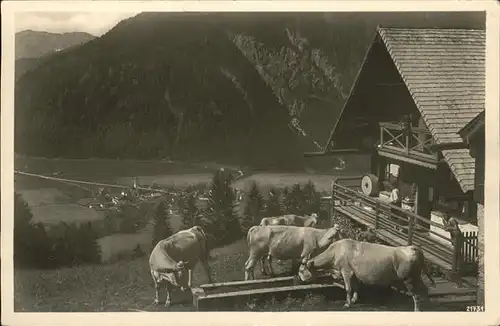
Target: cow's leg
[157,293]
[262,265]
[168,288]
[190,277]
[347,275]
[355,289]
[413,290]
[270,265]
[157,289]
[249,267]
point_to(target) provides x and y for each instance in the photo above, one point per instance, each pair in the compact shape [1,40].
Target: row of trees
[220,219]
[77,244]
[34,248]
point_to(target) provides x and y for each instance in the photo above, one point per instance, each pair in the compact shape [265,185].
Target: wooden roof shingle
[444,71]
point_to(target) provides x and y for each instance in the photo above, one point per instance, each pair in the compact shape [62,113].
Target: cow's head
[307,271]
[332,234]
[181,275]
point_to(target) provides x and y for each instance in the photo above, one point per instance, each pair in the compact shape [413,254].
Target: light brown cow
[291,219]
[372,264]
[285,242]
[171,258]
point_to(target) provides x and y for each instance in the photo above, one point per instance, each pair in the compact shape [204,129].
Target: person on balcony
[395,198]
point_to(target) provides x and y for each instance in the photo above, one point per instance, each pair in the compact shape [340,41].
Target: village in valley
[388,215]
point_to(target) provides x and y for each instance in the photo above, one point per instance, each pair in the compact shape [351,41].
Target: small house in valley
[408,111]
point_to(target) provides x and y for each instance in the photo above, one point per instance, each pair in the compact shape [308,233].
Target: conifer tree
[312,199]
[273,205]
[32,246]
[189,211]
[161,221]
[296,200]
[286,204]
[221,220]
[254,208]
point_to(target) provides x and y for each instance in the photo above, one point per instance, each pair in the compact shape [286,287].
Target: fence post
[457,246]
[377,213]
[411,223]
[333,210]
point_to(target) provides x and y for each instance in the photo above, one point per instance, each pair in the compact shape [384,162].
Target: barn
[408,108]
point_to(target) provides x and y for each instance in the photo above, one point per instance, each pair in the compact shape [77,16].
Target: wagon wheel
[369,185]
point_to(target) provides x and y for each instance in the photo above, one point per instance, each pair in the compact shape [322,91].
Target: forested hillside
[257,88]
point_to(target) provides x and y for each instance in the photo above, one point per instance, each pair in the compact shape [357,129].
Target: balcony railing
[410,141]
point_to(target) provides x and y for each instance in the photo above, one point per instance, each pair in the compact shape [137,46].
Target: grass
[119,286]
[127,284]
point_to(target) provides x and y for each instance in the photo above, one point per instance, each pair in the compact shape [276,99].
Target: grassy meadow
[122,282]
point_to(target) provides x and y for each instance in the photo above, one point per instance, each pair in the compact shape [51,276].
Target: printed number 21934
[475,309]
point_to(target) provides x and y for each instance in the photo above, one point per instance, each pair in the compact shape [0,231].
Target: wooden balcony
[410,145]
[400,227]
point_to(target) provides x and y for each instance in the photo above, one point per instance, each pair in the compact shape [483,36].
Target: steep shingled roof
[444,71]
[472,126]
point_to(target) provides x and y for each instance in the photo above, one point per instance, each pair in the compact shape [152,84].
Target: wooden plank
[401,156]
[334,152]
[203,301]
[291,288]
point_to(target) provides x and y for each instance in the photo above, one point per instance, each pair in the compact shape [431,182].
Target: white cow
[291,219]
[372,264]
[285,242]
[171,258]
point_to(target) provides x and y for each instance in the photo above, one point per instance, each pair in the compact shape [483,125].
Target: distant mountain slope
[32,47]
[257,88]
[34,44]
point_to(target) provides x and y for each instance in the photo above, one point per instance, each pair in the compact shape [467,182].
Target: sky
[95,23]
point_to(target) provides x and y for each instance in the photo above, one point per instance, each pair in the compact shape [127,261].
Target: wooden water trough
[227,295]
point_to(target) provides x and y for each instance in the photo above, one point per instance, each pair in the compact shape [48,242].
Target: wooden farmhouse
[474,137]
[410,105]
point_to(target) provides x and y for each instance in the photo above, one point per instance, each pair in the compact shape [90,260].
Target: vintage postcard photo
[285,157]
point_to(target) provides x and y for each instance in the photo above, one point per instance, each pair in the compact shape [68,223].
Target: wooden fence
[398,226]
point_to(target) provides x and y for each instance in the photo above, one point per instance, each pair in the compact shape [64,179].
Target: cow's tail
[422,263]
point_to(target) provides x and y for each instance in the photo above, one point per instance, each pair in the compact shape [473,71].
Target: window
[392,172]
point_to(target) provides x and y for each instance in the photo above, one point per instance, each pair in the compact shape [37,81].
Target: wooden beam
[444,146]
[336,152]
[398,126]
[408,159]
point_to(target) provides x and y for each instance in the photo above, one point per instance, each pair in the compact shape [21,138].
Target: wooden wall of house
[477,148]
[380,95]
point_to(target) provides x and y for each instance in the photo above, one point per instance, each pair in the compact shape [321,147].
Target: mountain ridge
[231,86]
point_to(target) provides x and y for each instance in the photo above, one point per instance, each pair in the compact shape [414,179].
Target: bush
[254,208]
[161,221]
[32,246]
[77,246]
[273,203]
[220,220]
